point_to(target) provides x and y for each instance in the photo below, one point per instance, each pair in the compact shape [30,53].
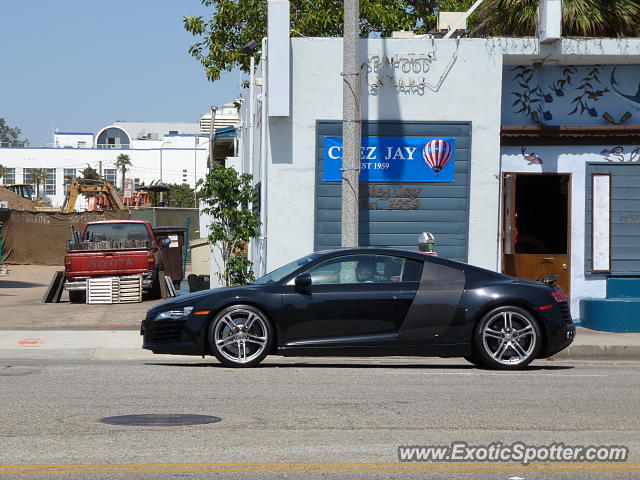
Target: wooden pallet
[106,290]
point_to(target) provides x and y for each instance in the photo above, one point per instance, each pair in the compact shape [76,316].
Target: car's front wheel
[507,338]
[240,336]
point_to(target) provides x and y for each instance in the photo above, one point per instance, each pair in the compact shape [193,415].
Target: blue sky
[79,65]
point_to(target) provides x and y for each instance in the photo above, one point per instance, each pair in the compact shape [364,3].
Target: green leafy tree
[3,171]
[10,135]
[180,195]
[90,173]
[234,23]
[38,176]
[122,162]
[233,225]
[586,18]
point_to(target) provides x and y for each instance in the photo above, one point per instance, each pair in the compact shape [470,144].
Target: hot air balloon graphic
[437,154]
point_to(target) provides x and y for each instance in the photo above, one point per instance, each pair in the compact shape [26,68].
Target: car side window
[351,269]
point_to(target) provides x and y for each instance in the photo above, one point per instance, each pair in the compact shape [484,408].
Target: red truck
[113,248]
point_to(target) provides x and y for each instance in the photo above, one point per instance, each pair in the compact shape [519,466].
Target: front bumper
[184,336]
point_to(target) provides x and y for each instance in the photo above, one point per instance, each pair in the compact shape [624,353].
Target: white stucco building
[531,126]
[159,151]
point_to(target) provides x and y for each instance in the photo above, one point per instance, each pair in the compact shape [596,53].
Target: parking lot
[21,292]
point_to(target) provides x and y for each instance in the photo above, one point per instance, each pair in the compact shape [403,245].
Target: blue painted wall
[393,214]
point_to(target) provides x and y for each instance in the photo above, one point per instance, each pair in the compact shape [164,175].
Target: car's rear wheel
[507,338]
[240,336]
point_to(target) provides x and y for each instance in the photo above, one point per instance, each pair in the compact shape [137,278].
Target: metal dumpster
[172,255]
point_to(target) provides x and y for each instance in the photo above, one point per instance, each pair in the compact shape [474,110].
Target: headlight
[174,314]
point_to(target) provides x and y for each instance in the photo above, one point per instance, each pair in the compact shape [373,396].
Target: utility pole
[100,169]
[351,124]
[212,137]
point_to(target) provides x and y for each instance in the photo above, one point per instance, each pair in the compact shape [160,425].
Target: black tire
[77,296]
[473,359]
[507,338]
[240,327]
[155,292]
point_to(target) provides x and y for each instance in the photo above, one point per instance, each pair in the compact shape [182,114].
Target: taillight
[558,295]
[151,261]
[67,263]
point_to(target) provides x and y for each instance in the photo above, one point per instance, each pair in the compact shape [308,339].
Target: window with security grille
[110,175]
[50,182]
[9,176]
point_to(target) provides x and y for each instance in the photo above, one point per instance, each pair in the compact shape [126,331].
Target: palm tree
[38,176]
[3,171]
[122,162]
[580,18]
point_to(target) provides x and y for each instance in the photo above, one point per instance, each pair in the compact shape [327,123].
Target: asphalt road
[305,418]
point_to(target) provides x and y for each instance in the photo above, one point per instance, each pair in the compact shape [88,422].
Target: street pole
[161,193]
[212,135]
[351,124]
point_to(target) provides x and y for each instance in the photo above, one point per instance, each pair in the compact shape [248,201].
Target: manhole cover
[160,420]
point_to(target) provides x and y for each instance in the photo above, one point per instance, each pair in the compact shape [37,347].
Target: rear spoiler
[548,280]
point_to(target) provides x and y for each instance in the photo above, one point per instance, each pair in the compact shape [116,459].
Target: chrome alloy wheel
[240,335]
[509,337]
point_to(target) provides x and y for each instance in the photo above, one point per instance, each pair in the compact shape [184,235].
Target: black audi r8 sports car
[368,302]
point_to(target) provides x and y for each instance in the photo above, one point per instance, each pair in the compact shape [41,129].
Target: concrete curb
[600,352]
[126,345]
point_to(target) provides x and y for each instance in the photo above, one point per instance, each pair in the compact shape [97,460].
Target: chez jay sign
[395,159]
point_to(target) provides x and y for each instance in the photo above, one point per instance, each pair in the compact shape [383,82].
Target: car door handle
[403,296]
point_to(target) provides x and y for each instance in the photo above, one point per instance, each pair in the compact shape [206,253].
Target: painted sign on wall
[395,159]
[571,95]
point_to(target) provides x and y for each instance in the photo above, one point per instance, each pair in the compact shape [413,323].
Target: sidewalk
[591,344]
[126,345]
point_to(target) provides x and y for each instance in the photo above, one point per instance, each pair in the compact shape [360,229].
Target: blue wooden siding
[444,207]
[625,217]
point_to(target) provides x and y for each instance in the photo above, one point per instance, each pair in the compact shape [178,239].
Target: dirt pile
[16,202]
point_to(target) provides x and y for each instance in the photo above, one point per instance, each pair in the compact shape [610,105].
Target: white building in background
[164,152]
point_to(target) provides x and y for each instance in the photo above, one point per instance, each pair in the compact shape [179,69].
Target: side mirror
[164,242]
[302,282]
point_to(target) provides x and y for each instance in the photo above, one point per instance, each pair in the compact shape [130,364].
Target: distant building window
[82,144]
[26,175]
[69,173]
[110,175]
[113,138]
[136,183]
[50,182]
[9,177]
[173,132]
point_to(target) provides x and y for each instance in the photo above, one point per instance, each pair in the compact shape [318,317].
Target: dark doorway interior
[542,214]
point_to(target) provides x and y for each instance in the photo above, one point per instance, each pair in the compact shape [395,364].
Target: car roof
[374,251]
[116,221]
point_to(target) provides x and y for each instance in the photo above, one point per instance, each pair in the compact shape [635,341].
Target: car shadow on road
[408,366]
[16,284]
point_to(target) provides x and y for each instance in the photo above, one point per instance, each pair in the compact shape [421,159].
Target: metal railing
[22,144]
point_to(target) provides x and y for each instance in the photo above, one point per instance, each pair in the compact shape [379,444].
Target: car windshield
[116,231]
[280,273]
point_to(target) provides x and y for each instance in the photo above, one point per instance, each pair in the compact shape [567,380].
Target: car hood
[194,298]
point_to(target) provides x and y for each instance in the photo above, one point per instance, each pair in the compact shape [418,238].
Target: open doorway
[536,228]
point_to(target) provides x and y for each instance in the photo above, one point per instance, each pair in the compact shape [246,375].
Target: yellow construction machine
[105,194]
